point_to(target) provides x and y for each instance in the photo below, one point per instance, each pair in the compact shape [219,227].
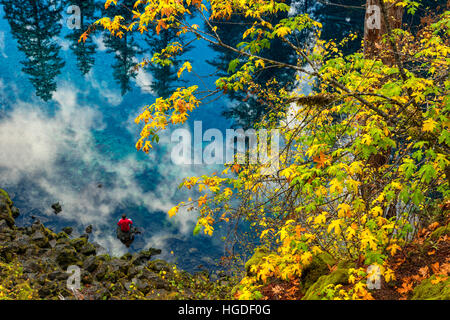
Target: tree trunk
[375,28]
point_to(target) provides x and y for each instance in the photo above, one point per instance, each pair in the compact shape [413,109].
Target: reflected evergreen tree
[246,110]
[83,50]
[164,77]
[125,48]
[35,24]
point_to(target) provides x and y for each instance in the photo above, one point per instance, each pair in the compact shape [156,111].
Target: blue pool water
[78,148]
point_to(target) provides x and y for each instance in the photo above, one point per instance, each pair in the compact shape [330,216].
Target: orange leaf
[406,287]
[424,271]
[435,267]
[235,168]
[433,226]
[321,160]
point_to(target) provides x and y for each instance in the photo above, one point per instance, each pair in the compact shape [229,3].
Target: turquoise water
[78,148]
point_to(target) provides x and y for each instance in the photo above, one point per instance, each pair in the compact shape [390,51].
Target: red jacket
[124,224]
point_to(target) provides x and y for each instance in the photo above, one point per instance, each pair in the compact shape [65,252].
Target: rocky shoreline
[34,262]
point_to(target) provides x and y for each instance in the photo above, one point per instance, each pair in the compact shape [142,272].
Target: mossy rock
[5,208]
[340,276]
[67,230]
[79,243]
[40,239]
[50,234]
[256,259]
[67,256]
[317,268]
[159,265]
[440,232]
[428,291]
[6,196]
[88,249]
[62,235]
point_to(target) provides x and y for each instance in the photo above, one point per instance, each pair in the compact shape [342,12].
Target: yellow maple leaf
[336,225]
[429,125]
[393,248]
[173,211]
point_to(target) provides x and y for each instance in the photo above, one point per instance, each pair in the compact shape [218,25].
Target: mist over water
[78,148]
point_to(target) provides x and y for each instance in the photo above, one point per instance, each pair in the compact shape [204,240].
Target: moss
[440,232]
[428,291]
[6,195]
[346,264]
[256,259]
[50,234]
[340,276]
[67,257]
[78,243]
[62,235]
[317,268]
[5,208]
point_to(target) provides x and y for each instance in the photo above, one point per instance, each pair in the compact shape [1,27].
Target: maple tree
[365,157]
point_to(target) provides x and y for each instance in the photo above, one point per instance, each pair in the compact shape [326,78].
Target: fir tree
[34,24]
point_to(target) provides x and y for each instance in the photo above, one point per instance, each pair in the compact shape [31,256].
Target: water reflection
[34,24]
[83,134]
[84,51]
[124,48]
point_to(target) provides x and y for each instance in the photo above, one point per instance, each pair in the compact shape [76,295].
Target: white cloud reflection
[59,154]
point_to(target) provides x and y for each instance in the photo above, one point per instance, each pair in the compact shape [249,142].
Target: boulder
[142,286]
[315,291]
[15,212]
[153,280]
[319,266]
[88,249]
[159,265]
[47,289]
[440,232]
[57,208]
[31,266]
[4,227]
[67,230]
[58,275]
[91,263]
[88,229]
[119,265]
[5,208]
[134,270]
[66,256]
[426,290]
[78,243]
[23,242]
[256,259]
[141,258]
[40,239]
[86,277]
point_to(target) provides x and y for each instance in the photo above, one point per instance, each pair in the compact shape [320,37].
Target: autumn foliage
[365,158]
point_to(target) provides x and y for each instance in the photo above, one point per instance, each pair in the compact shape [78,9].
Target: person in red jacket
[124,232]
[125,223]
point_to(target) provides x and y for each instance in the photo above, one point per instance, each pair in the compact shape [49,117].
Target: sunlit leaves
[186,66]
[365,153]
